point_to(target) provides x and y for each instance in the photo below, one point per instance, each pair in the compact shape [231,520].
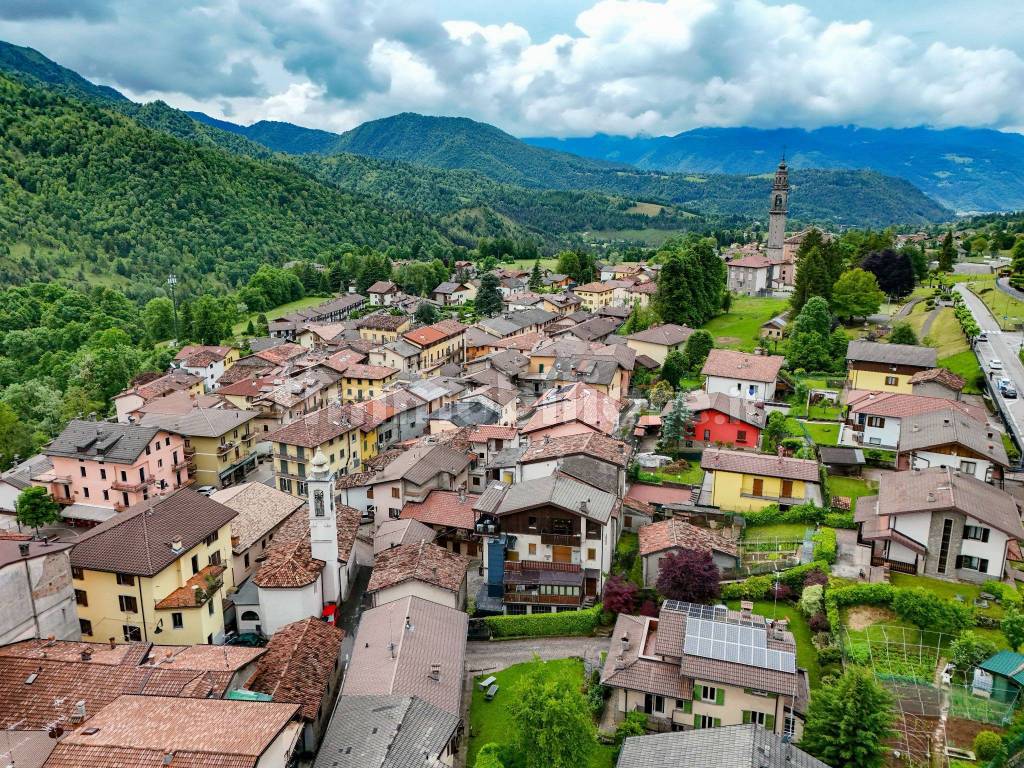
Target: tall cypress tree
[947,254]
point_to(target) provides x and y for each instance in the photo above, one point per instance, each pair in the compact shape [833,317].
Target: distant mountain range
[966,169]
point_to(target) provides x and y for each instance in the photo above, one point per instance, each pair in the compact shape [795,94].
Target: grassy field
[965,365]
[851,487]
[806,656]
[693,475]
[945,334]
[781,531]
[739,328]
[492,721]
[651,237]
[528,264]
[284,309]
[823,434]
[1008,311]
[823,411]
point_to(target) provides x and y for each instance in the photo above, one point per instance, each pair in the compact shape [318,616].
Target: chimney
[435,672]
[23,548]
[746,608]
[113,643]
[87,654]
[78,716]
[625,642]
[177,544]
[931,496]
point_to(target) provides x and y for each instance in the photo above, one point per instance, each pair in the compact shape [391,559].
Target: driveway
[494,655]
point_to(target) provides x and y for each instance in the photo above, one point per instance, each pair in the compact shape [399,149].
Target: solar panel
[709,635]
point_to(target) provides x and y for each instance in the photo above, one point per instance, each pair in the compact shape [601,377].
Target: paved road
[1004,346]
[490,656]
[1003,284]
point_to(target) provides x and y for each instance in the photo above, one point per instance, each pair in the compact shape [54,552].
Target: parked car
[1010,392]
[982,336]
[1004,383]
[995,364]
[206,490]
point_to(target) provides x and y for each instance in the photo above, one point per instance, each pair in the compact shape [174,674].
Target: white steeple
[323,524]
[777,213]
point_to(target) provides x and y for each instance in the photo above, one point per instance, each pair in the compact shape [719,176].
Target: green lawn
[1001,304]
[492,721]
[823,434]
[693,475]
[965,365]
[291,306]
[740,327]
[948,590]
[781,531]
[528,264]
[823,411]
[806,656]
[851,487]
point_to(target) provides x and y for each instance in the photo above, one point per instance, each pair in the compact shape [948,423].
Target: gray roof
[560,491]
[930,430]
[466,414]
[201,422]
[892,354]
[840,455]
[385,732]
[402,348]
[118,443]
[591,471]
[513,322]
[491,497]
[735,746]
[20,476]
[507,457]
[423,462]
[595,328]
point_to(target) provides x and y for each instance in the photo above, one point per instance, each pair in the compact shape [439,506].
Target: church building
[774,268]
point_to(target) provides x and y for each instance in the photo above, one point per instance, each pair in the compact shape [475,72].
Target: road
[1004,346]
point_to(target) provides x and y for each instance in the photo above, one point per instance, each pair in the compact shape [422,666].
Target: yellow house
[440,343]
[342,432]
[382,327]
[156,572]
[740,481]
[886,367]
[596,295]
[659,340]
[220,442]
[365,382]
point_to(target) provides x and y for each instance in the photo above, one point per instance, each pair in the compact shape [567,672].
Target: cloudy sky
[550,67]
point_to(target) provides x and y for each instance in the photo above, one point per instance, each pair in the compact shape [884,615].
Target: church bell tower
[323,524]
[777,213]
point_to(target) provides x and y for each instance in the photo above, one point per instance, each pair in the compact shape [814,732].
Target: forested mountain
[967,169]
[280,137]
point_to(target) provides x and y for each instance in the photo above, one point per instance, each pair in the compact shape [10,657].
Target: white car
[995,364]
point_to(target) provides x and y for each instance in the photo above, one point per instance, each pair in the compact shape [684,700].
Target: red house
[719,419]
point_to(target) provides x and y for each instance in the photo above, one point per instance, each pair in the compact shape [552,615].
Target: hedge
[918,606]
[565,624]
[840,520]
[855,594]
[759,587]
[825,545]
[770,515]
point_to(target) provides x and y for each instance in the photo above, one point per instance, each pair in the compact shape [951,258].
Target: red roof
[730,364]
[659,494]
[574,402]
[376,372]
[443,508]
[677,534]
[483,432]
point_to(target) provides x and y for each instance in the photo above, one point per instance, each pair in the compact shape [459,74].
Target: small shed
[841,460]
[1007,670]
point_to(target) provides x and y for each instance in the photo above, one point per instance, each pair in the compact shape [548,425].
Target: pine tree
[677,421]
[812,279]
[536,279]
[488,297]
[947,254]
[849,721]
[808,347]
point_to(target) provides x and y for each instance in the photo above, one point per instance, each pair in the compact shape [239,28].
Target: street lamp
[171,282]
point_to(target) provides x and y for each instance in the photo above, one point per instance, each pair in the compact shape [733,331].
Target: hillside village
[341,542]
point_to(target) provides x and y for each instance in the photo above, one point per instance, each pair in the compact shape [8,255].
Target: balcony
[895,565]
[225,448]
[560,539]
[123,485]
[182,465]
[64,501]
[538,599]
[189,451]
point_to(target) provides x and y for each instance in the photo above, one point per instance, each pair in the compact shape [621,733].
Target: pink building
[571,409]
[101,468]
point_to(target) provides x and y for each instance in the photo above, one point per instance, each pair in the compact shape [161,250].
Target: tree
[640,319]
[813,278]
[674,367]
[426,313]
[918,260]
[893,270]
[691,282]
[697,349]
[488,298]
[808,345]
[489,756]
[678,421]
[947,254]
[619,595]
[856,294]
[775,431]
[969,650]
[660,394]
[34,507]
[987,745]
[902,333]
[15,437]
[553,725]
[635,724]
[1013,627]
[211,320]
[158,319]
[689,575]
[536,281]
[849,721]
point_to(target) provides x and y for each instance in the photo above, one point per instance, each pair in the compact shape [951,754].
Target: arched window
[778,201]
[250,616]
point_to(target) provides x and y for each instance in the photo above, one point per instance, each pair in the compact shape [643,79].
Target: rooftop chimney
[86,654]
[435,671]
[23,549]
[746,608]
[177,544]
[625,642]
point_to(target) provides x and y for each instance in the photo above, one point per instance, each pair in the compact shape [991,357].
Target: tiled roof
[116,443]
[595,287]
[484,432]
[386,732]
[289,561]
[138,541]
[382,321]
[282,353]
[735,746]
[423,462]
[398,646]
[20,476]
[318,427]
[201,422]
[299,664]
[560,491]
[342,359]
[594,444]
[624,667]
[449,287]
[382,286]
[596,328]
[394,533]
[432,334]
[728,363]
[424,562]
[587,469]
[138,731]
[374,372]
[897,405]
[677,534]
[194,592]
[574,402]
[466,413]
[445,508]
[951,427]
[659,494]
[200,356]
[667,335]
[260,509]
[751,262]
[891,354]
[760,464]
[943,376]
[176,380]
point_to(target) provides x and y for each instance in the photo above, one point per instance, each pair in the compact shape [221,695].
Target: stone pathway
[926,327]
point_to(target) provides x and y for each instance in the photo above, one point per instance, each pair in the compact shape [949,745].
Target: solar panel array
[713,638]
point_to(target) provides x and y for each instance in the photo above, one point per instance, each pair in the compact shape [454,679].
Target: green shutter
[696,692]
[696,721]
[746,717]
[769,722]
[720,696]
[687,706]
[717,722]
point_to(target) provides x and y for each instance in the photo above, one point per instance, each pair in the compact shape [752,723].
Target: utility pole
[171,282]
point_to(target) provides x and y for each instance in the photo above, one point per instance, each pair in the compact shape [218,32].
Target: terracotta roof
[445,508]
[891,354]
[677,534]
[943,376]
[897,405]
[484,432]
[195,591]
[393,533]
[728,363]
[200,356]
[431,334]
[951,427]
[374,372]
[667,335]
[424,562]
[318,427]
[659,494]
[574,402]
[282,353]
[260,509]
[624,667]
[300,662]
[138,541]
[289,561]
[342,359]
[382,286]
[173,381]
[138,731]
[595,287]
[398,646]
[382,321]
[760,464]
[594,444]
[751,262]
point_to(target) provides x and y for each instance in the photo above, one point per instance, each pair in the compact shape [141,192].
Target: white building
[740,374]
[948,438]
[37,596]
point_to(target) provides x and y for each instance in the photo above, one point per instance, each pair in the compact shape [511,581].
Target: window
[85,490]
[891,381]
[709,694]
[195,564]
[706,721]
[976,533]
[211,538]
[758,718]
[106,495]
[167,442]
[947,532]
[86,626]
[971,563]
[707,435]
[394,514]
[395,493]
[245,560]
[126,580]
[124,476]
[177,620]
[968,467]
[209,606]
[591,553]
[532,549]
[250,616]
[131,633]
[77,573]
[789,728]
[81,598]
[81,470]
[215,558]
[741,436]
[103,474]
[876,421]
[128,604]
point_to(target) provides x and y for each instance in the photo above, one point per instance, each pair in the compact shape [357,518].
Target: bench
[491,692]
[487,682]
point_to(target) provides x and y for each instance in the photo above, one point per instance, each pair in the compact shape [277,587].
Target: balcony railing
[560,539]
[189,451]
[896,565]
[64,501]
[182,465]
[124,485]
[225,447]
[532,597]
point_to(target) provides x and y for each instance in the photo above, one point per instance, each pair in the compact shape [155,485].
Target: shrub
[930,611]
[825,545]
[986,745]
[856,594]
[619,595]
[1007,593]
[569,623]
[840,520]
[770,515]
[649,608]
[969,650]
[816,576]
[819,622]
[811,599]
[689,575]
[759,587]
[781,591]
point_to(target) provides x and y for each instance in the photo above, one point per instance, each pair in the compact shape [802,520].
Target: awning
[87,512]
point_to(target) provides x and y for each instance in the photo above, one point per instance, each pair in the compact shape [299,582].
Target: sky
[550,67]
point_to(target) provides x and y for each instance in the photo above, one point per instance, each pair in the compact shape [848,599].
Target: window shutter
[959,560]
[984,534]
[746,717]
[719,696]
[717,722]
[687,706]
[696,721]
[769,722]
[696,693]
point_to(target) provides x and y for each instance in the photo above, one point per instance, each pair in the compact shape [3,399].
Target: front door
[561,554]
[787,489]
[758,486]
[590,585]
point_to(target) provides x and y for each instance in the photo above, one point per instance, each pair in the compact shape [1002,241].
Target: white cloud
[629,66]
